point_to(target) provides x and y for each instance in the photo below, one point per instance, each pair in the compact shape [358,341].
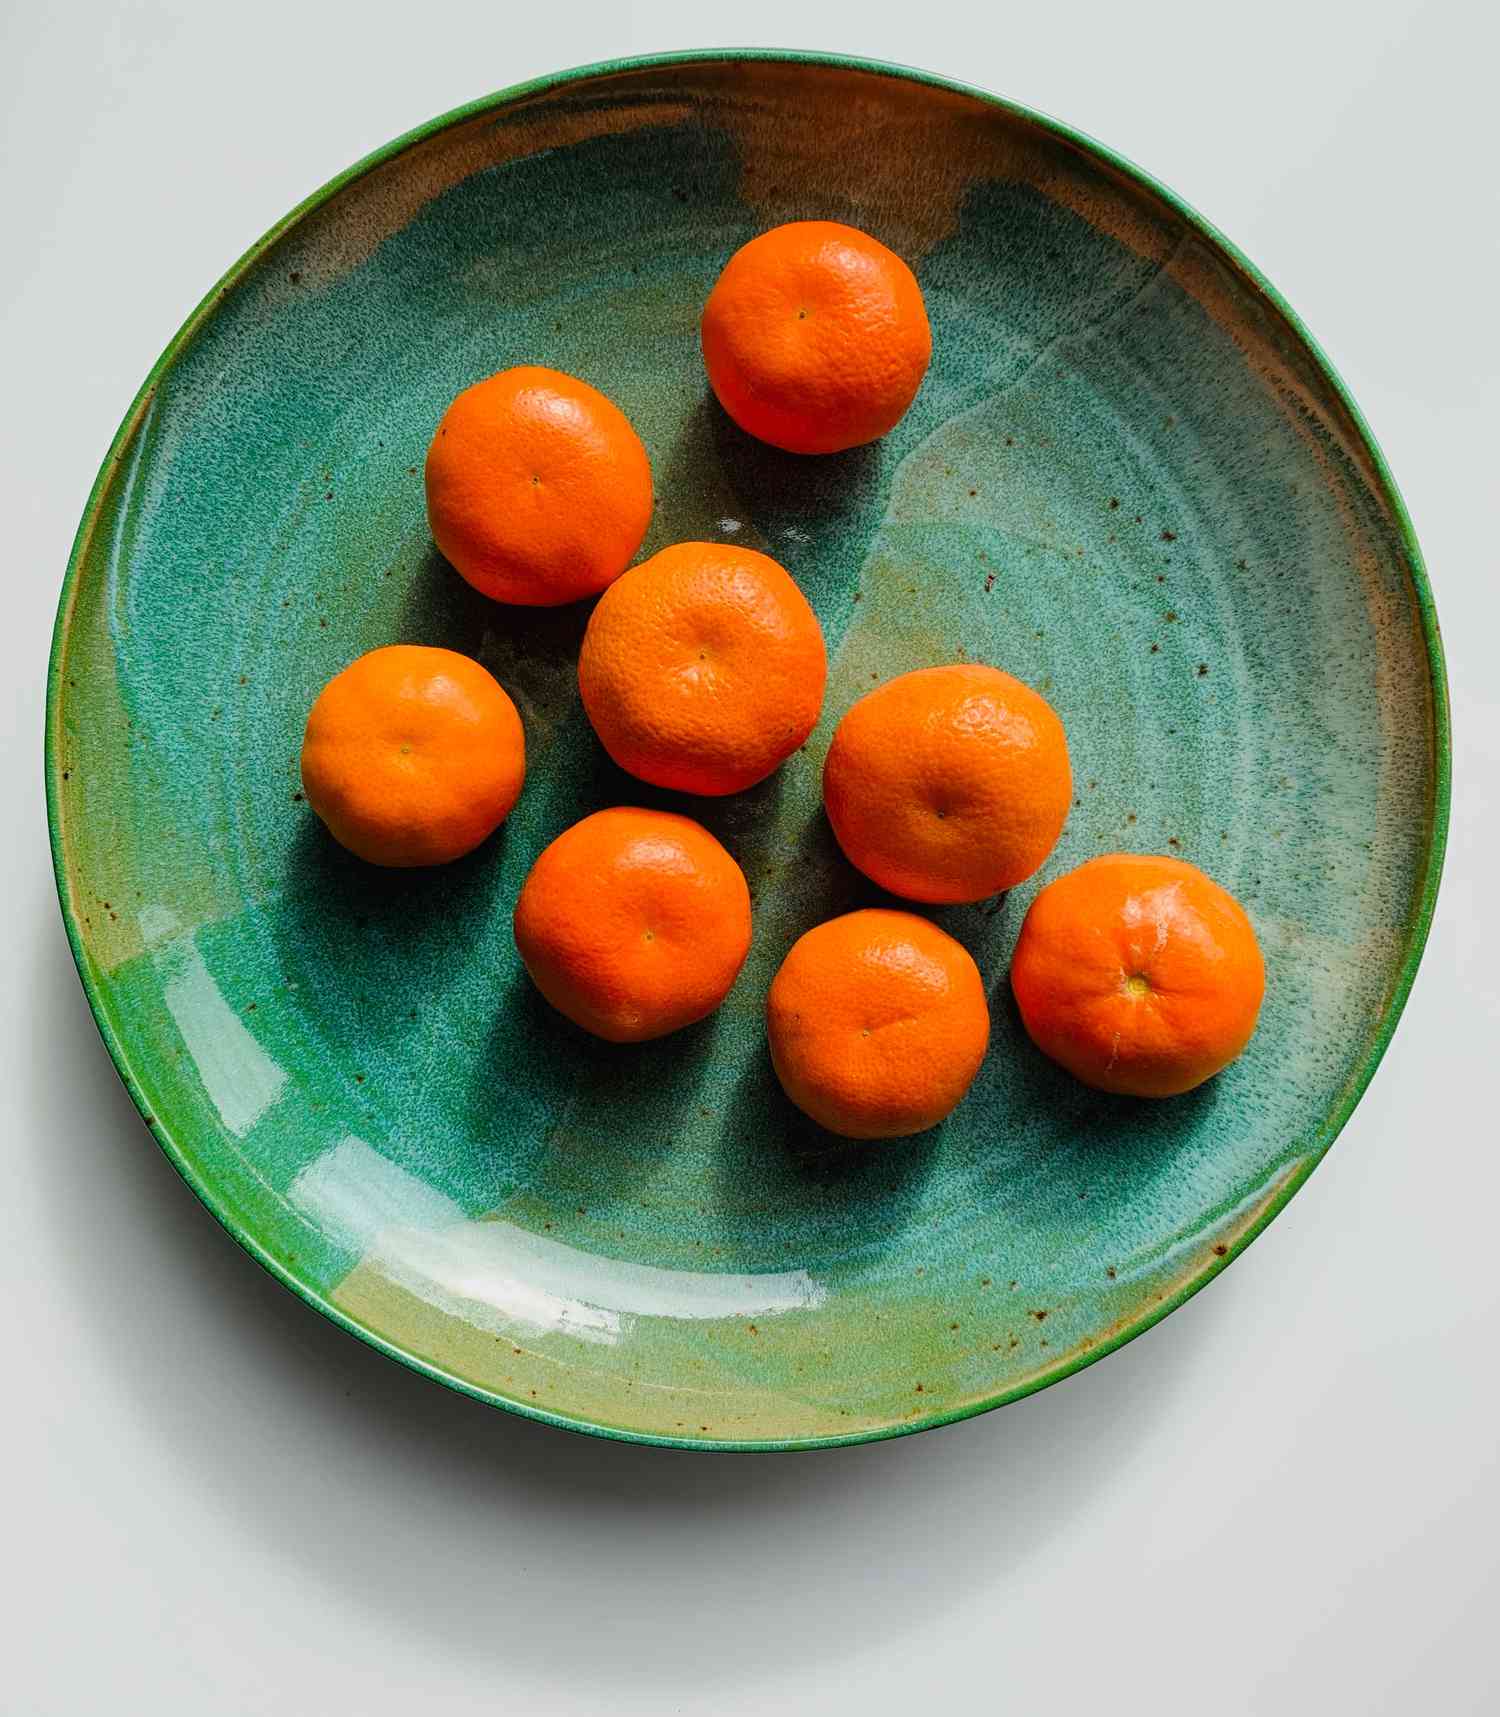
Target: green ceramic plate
[1130,478]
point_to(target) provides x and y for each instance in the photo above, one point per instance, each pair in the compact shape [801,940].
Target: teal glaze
[1129,479]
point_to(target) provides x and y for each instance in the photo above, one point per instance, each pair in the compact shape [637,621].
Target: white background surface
[1282,1500]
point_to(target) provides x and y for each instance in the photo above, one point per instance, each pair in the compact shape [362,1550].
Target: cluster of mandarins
[702,669]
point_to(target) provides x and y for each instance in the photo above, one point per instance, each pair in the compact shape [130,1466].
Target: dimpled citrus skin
[948,784]
[413,755]
[703,668]
[815,337]
[538,489]
[634,923]
[1139,975]
[878,1024]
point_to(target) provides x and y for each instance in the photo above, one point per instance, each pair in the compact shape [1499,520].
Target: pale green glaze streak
[1130,478]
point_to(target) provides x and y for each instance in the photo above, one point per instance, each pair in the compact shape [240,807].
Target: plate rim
[1417,930]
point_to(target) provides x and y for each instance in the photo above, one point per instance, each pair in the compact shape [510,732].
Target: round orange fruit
[634,923]
[878,1024]
[703,668]
[1139,975]
[538,489]
[815,337]
[948,784]
[413,755]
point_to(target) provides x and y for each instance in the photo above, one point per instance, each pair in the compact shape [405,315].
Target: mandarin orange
[413,755]
[948,784]
[538,489]
[634,923]
[815,337]
[1139,975]
[703,668]
[878,1024]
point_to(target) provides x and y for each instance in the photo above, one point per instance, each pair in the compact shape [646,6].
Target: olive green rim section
[1416,936]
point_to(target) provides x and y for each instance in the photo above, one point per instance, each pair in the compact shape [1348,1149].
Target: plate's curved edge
[1432,638]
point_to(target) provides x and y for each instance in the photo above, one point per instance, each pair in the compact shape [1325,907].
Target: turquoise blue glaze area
[1126,479]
